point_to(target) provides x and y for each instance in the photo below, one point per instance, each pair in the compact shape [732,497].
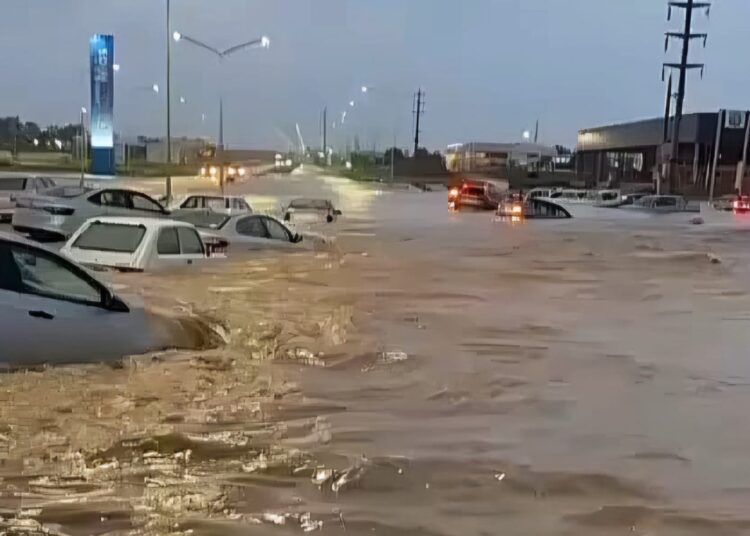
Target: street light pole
[169,105]
[263,42]
[83,146]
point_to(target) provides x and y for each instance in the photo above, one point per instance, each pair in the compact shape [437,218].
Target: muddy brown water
[433,374]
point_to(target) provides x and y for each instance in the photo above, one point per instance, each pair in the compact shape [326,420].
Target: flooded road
[433,374]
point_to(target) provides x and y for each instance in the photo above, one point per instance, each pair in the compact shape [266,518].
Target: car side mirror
[297,238]
[337,212]
[113,303]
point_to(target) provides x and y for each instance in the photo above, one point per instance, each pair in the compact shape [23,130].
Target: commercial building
[635,152]
[497,159]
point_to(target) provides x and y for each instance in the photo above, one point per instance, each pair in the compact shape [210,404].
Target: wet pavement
[434,373]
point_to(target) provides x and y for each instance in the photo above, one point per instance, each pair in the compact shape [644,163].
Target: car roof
[210,194]
[149,223]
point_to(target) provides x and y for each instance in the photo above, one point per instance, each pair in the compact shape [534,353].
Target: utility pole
[418,110]
[686,36]
[536,132]
[667,111]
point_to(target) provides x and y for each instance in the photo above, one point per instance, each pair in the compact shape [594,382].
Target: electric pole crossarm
[689,5]
[680,67]
[682,36]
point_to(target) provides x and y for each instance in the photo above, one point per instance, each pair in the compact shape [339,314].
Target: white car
[12,187]
[246,232]
[311,211]
[137,245]
[58,212]
[54,311]
[225,204]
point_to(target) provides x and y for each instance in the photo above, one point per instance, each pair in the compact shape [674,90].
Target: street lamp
[365,89]
[526,135]
[261,42]
[351,103]
[83,145]
[155,88]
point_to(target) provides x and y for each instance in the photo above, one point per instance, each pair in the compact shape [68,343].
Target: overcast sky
[490,67]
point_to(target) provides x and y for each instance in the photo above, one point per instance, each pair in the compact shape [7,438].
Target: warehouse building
[630,153]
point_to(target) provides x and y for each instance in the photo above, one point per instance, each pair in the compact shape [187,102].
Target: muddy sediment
[438,374]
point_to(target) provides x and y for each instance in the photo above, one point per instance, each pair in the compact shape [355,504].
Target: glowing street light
[155,88]
[116,67]
[351,103]
[176,36]
[265,42]
[526,135]
[182,100]
[365,89]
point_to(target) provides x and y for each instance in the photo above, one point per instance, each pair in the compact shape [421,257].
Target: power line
[683,66]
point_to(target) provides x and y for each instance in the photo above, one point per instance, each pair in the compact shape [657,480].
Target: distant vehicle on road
[476,194]
[231,171]
[58,212]
[54,311]
[224,204]
[305,210]
[12,187]
[137,245]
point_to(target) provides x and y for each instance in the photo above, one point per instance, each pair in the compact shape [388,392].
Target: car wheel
[329,219]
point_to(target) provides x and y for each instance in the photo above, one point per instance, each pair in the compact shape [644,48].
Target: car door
[54,312]
[171,255]
[252,234]
[143,205]
[279,236]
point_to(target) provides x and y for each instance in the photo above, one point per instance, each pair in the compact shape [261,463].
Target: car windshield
[68,192]
[203,219]
[114,237]
[12,184]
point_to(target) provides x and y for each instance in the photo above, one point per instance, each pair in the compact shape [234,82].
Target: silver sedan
[59,212]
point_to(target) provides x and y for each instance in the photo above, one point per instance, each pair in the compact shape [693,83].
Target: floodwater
[433,373]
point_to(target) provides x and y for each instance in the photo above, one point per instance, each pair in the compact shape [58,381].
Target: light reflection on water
[440,374]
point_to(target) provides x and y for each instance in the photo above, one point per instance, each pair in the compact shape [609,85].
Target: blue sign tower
[102,105]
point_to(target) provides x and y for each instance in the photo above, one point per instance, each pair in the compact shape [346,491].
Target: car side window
[42,274]
[111,198]
[141,202]
[190,241]
[252,226]
[168,243]
[190,202]
[277,231]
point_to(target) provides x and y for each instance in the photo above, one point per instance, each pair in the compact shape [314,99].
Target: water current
[433,373]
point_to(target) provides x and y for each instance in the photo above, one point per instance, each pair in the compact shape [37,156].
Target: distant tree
[421,152]
[562,150]
[398,154]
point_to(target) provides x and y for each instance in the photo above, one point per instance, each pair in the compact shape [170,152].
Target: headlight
[241,171]
[203,171]
[231,171]
[212,170]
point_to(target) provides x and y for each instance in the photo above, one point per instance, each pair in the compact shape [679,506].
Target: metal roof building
[635,152]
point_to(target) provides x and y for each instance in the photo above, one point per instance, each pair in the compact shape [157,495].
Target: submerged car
[60,211]
[250,232]
[533,208]
[54,311]
[482,195]
[225,204]
[12,187]
[311,211]
[137,245]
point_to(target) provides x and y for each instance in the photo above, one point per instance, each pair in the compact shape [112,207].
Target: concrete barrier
[44,158]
